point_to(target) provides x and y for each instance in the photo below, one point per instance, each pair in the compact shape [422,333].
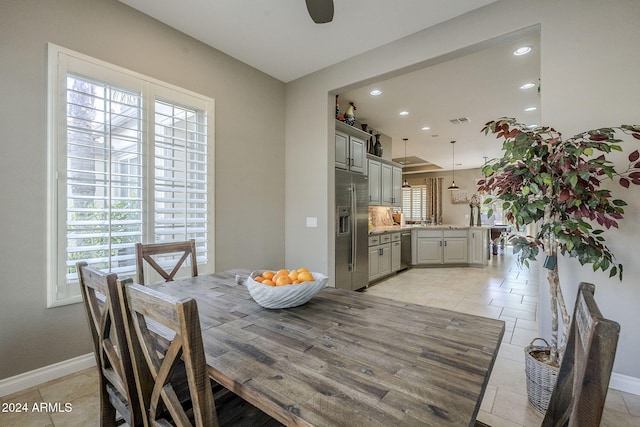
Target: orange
[305,276]
[268,282]
[283,271]
[268,274]
[259,279]
[293,275]
[283,280]
[300,270]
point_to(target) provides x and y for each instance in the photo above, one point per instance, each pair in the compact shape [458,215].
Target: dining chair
[581,388]
[154,253]
[583,379]
[165,400]
[118,395]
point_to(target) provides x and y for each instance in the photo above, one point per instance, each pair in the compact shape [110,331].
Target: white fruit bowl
[284,296]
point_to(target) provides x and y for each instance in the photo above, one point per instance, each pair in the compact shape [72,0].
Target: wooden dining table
[344,358]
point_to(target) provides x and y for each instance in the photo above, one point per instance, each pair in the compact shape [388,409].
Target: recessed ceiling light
[375,92]
[522,50]
[404,113]
[527,86]
[425,128]
[530,109]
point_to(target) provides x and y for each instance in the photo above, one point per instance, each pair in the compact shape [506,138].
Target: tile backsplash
[380,216]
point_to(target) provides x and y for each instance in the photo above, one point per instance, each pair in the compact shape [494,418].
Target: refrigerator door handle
[354,228]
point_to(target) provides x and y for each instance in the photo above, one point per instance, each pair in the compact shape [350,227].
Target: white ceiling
[481,86]
[279,38]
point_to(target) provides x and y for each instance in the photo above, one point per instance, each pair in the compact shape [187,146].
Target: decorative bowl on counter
[284,296]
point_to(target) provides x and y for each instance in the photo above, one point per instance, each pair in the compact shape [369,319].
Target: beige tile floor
[501,290]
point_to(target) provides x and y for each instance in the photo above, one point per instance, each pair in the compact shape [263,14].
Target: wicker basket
[541,377]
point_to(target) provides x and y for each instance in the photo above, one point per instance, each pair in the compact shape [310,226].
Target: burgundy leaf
[637,165]
[634,156]
[598,137]
[636,181]
[636,135]
[634,175]
[624,182]
[564,195]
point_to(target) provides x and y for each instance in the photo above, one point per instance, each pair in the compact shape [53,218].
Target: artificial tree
[557,184]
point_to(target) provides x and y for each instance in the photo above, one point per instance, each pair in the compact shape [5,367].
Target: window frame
[62,61]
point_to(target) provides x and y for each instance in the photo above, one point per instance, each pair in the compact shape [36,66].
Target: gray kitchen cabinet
[374,265]
[396,252]
[350,148]
[379,256]
[385,259]
[454,250]
[374,172]
[396,186]
[440,247]
[478,246]
[385,183]
[428,247]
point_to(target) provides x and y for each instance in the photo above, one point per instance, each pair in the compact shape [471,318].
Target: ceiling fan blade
[321,11]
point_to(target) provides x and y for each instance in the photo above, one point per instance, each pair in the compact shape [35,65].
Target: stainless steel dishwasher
[405,249]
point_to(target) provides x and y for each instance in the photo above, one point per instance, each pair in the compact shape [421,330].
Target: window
[130,161]
[414,203]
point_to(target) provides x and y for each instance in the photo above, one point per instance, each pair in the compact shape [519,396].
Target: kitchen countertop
[398,228]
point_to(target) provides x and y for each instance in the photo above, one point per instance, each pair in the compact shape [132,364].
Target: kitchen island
[437,245]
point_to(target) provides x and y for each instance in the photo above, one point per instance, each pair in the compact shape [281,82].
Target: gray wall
[589,80]
[452,213]
[249,132]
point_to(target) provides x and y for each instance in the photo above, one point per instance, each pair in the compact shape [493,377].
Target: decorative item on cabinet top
[349,116]
[377,148]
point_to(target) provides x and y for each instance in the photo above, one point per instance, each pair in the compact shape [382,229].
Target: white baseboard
[46,373]
[625,383]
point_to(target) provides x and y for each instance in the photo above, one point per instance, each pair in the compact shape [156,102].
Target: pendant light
[405,184]
[453,185]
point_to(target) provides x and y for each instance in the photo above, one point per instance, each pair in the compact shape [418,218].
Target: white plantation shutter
[414,203]
[104,176]
[130,163]
[180,175]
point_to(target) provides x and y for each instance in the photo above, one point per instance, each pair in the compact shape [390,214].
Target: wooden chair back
[149,252]
[104,313]
[583,379]
[158,362]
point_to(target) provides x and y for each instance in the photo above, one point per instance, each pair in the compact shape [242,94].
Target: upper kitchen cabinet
[385,182]
[351,148]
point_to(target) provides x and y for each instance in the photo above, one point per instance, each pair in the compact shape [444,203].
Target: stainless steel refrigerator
[352,240]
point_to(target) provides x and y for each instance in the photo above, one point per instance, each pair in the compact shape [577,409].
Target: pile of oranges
[285,277]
